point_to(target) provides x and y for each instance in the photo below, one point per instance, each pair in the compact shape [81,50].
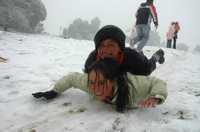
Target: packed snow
[36,62]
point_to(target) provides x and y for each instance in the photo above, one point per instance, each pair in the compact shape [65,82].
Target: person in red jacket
[170,34]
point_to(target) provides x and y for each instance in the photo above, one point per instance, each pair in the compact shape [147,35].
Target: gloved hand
[159,56]
[48,94]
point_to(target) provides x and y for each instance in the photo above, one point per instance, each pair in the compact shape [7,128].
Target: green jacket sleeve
[158,89]
[146,87]
[75,80]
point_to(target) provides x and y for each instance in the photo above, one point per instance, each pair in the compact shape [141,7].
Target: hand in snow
[150,102]
[48,94]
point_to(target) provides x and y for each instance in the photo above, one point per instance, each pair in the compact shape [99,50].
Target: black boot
[159,56]
[47,95]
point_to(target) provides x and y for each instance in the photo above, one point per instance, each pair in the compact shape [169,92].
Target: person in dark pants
[105,82]
[174,41]
[170,34]
[107,75]
[110,42]
[177,28]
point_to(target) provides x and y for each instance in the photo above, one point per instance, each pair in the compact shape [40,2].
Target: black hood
[110,32]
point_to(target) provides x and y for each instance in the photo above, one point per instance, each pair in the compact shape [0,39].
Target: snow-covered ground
[35,62]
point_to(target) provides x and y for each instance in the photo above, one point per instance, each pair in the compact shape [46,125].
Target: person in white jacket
[106,82]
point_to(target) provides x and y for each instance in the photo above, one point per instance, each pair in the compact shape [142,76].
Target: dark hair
[107,66]
[111,71]
[123,94]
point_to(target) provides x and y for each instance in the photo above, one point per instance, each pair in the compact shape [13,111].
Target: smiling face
[100,86]
[109,48]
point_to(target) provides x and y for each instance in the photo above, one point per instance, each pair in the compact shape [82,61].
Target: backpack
[143,14]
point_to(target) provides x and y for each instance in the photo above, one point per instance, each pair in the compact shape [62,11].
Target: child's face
[109,48]
[100,86]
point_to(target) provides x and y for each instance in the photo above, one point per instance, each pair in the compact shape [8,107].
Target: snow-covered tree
[197,49]
[82,29]
[39,28]
[21,15]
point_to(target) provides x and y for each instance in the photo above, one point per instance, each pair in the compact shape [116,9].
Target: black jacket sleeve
[134,62]
[137,63]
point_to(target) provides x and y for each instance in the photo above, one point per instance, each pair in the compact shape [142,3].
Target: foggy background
[61,13]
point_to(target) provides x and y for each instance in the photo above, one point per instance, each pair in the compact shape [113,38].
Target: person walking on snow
[144,16]
[170,34]
[107,83]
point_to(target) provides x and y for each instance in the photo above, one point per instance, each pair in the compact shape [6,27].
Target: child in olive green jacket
[105,82]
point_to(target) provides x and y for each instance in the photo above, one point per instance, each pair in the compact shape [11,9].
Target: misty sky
[61,13]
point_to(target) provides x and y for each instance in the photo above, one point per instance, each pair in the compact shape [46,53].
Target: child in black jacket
[110,42]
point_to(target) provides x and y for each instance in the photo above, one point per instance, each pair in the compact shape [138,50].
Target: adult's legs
[169,43]
[174,43]
[138,37]
[145,37]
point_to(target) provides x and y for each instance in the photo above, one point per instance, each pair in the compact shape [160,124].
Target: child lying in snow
[106,82]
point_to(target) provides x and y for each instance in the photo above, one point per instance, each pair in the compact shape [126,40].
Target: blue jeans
[142,36]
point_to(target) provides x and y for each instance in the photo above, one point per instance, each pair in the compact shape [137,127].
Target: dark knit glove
[159,56]
[47,95]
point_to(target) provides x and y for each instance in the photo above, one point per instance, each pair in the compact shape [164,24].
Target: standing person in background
[144,15]
[177,28]
[170,34]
